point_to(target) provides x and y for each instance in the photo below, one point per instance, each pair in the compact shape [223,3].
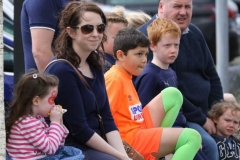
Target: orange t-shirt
[124,102]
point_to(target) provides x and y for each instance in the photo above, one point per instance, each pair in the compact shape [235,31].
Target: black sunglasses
[88,28]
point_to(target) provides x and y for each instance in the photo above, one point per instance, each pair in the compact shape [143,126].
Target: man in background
[39,25]
[197,77]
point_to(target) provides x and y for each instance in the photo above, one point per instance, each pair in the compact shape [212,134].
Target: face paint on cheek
[51,98]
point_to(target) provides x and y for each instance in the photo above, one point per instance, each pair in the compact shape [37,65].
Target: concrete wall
[2,123]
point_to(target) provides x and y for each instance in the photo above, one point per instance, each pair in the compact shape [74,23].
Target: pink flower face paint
[52,97]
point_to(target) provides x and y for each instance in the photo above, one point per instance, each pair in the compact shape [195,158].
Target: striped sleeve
[64,135]
[45,139]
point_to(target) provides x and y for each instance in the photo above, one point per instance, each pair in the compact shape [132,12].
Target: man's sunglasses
[88,28]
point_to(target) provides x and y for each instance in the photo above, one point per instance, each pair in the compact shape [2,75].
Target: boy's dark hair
[129,38]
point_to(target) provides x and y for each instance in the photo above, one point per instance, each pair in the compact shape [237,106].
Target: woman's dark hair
[70,16]
[30,85]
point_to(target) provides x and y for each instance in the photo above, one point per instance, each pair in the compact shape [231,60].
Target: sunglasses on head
[88,28]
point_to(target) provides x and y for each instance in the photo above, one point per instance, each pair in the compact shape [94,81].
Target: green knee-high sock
[188,144]
[172,102]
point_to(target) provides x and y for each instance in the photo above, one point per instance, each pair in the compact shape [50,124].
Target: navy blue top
[152,81]
[197,76]
[109,62]
[73,95]
[38,13]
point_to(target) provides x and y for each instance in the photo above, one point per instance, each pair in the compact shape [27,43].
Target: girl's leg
[184,143]
[165,107]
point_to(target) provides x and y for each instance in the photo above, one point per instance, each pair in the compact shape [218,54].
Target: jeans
[92,154]
[63,153]
[209,145]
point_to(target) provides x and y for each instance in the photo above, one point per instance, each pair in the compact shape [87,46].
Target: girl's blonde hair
[134,18]
[116,17]
[219,108]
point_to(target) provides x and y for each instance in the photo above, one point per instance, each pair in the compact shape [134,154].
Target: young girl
[28,135]
[226,116]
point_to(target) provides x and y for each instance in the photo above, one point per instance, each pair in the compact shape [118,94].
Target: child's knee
[195,136]
[189,137]
[172,95]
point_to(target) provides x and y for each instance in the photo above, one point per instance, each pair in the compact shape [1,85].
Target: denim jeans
[63,153]
[92,154]
[209,145]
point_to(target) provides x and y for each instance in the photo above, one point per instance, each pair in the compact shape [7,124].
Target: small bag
[131,152]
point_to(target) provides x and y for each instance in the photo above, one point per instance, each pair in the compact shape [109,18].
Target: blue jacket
[197,76]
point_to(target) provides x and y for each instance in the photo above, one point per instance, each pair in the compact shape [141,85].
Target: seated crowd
[101,88]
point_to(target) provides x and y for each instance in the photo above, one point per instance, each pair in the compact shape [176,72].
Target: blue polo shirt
[38,14]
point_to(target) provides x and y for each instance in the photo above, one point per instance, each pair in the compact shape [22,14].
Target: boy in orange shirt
[142,128]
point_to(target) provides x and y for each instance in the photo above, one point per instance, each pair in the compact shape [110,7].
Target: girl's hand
[56,114]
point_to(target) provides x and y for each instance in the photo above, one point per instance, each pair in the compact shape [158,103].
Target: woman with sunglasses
[82,26]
